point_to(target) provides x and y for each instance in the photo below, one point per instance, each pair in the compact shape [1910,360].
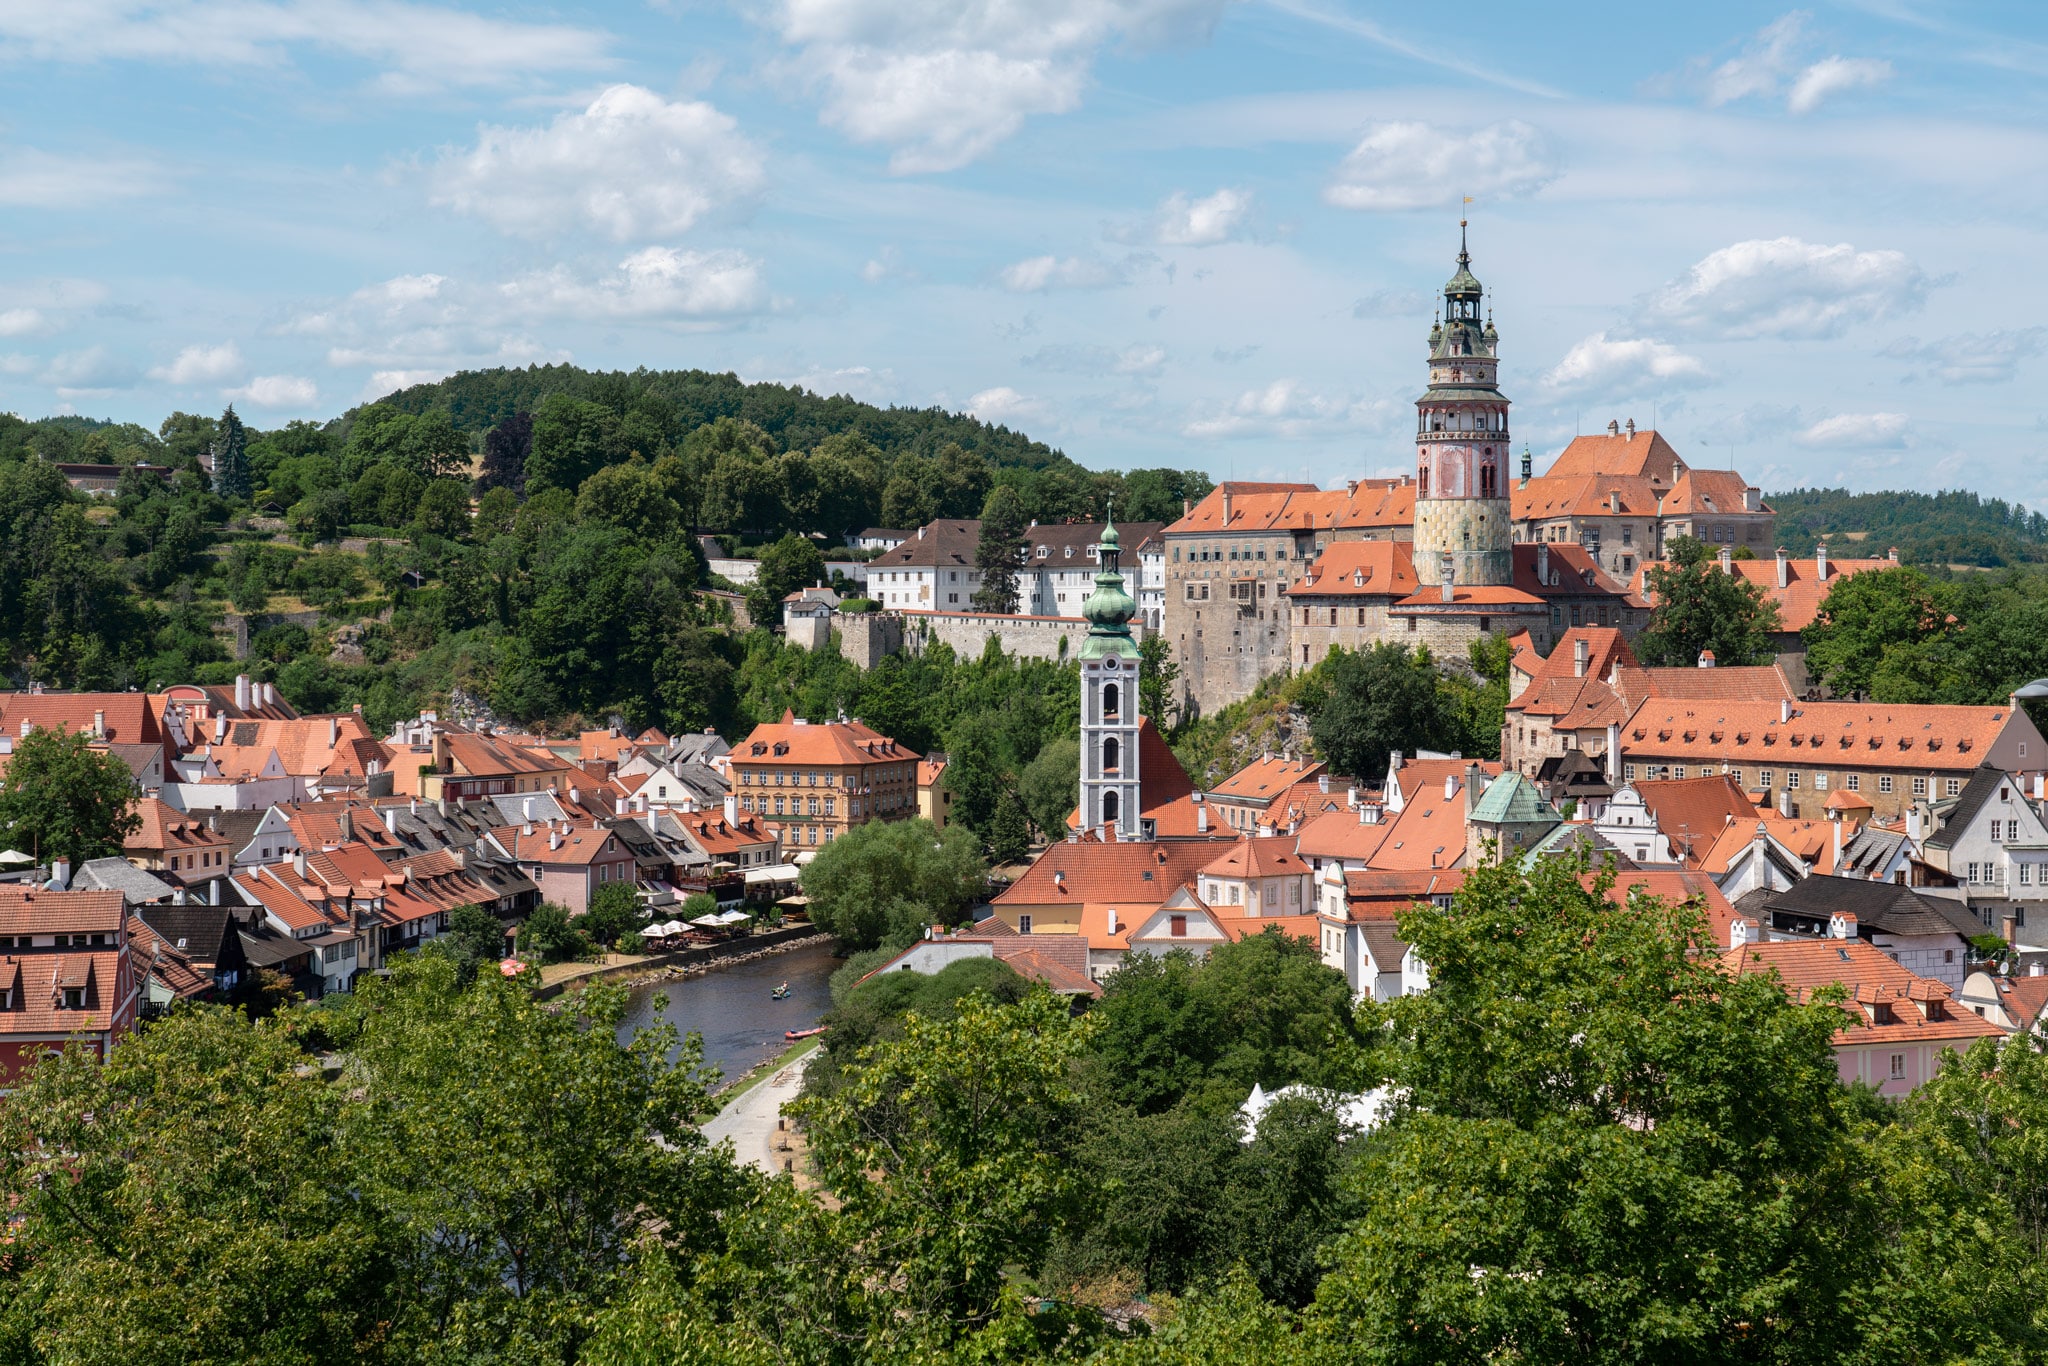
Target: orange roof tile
[1358,569]
[1692,812]
[1920,1008]
[1817,734]
[129,717]
[1643,454]
[792,741]
[1300,507]
[1799,601]
[164,827]
[556,846]
[1341,835]
[1256,856]
[31,911]
[1122,873]
[1264,779]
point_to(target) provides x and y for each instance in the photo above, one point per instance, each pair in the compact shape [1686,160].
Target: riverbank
[646,968]
[752,1118]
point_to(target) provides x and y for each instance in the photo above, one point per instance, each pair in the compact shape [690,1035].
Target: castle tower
[1462,526]
[1109,701]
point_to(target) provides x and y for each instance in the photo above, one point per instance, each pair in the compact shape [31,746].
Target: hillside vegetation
[1954,527]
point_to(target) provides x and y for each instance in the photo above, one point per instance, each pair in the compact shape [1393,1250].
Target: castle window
[1111,753]
[1110,697]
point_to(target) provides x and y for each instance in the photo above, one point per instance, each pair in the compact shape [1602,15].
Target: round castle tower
[1463,533]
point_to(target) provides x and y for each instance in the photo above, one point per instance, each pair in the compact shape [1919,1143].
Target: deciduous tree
[1700,608]
[64,799]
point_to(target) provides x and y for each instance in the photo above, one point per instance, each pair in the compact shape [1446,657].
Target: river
[732,1007]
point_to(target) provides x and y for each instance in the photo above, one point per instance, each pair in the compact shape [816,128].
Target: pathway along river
[733,1009]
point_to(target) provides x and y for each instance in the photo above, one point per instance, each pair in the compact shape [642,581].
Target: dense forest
[1948,528]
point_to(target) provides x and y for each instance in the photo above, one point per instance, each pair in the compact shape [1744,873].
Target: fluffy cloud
[1784,287]
[1624,365]
[201,365]
[941,82]
[631,166]
[1038,274]
[1287,409]
[92,372]
[1990,358]
[1398,166]
[277,391]
[421,47]
[384,383]
[1861,430]
[1771,63]
[1003,404]
[1831,76]
[652,284]
[22,322]
[1202,222]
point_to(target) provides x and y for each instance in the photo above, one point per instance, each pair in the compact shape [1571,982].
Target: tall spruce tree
[1000,551]
[231,457]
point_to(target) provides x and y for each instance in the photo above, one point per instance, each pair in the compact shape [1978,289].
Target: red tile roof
[1089,872]
[1692,812]
[1919,1008]
[1264,779]
[557,846]
[1341,835]
[1348,569]
[168,829]
[1301,507]
[1256,856]
[1643,454]
[32,911]
[1799,601]
[1818,734]
[791,741]
[129,717]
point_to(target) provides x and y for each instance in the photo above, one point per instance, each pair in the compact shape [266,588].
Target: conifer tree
[999,551]
[231,457]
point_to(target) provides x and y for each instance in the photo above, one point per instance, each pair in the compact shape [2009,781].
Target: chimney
[2040,787]
[1784,710]
[2010,929]
[1370,813]
[1913,824]
[920,533]
[1820,561]
[1201,816]
[220,729]
[60,874]
[1450,786]
[1706,660]
[1226,505]
[1631,429]
[1323,782]
[575,796]
[391,820]
[1351,487]
[1676,470]
[1450,573]
[299,862]
[554,838]
[269,693]
[99,725]
[1473,786]
[1542,562]
[1581,656]
[1784,568]
[1613,427]
[242,691]
[732,809]
[1785,802]
[1613,752]
[334,732]
[1727,561]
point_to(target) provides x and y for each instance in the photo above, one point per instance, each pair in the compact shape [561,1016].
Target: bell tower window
[1109,701]
[1112,752]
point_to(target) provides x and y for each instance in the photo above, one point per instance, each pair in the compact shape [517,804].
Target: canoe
[794,1034]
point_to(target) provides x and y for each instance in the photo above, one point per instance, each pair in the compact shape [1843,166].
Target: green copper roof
[1109,608]
[1512,799]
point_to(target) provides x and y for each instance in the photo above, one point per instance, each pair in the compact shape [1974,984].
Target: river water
[733,1007]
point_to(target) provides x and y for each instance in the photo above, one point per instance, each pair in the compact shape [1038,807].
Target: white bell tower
[1109,702]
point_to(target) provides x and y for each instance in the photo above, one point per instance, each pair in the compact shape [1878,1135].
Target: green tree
[475,939]
[1605,1149]
[1365,704]
[792,563]
[614,911]
[231,458]
[629,497]
[571,440]
[1864,616]
[1050,786]
[550,936]
[443,510]
[882,882]
[63,799]
[944,1149]
[1158,698]
[1000,551]
[1700,608]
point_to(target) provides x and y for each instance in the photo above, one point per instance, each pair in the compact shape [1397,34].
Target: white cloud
[1831,76]
[92,372]
[1784,287]
[201,364]
[631,166]
[653,283]
[33,179]
[1398,166]
[1624,365]
[1762,65]
[855,381]
[387,382]
[1202,222]
[1970,358]
[941,82]
[1040,273]
[421,47]
[1391,303]
[1857,430]
[22,322]
[1004,405]
[1286,409]
[276,391]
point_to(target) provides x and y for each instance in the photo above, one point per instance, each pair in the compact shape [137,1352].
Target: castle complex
[1262,578]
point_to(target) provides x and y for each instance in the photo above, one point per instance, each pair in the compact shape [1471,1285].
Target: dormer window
[74,998]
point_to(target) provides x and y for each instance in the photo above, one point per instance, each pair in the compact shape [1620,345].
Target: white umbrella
[732,917]
[16,856]
[709,921]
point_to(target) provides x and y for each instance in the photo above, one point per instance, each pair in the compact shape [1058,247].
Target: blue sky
[1184,232]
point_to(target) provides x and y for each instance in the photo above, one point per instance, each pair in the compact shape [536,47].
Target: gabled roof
[198,931]
[1512,799]
[1358,569]
[1643,454]
[1984,786]
[1429,833]
[1265,778]
[163,960]
[1919,1008]
[1119,873]
[1692,812]
[130,718]
[793,741]
[555,846]
[30,910]
[167,828]
[1300,507]
[1820,734]
[1341,835]
[1810,842]
[119,875]
[1885,907]
[1256,856]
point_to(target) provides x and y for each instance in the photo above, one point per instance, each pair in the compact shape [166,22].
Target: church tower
[1463,533]
[1109,701]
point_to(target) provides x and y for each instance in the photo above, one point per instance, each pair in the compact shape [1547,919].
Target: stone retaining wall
[680,961]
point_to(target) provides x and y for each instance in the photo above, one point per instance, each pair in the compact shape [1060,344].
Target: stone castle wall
[1476,531]
[968,633]
[866,637]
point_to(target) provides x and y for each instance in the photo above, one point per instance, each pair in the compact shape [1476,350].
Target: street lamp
[2036,689]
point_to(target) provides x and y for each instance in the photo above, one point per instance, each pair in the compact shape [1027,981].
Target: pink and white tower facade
[1463,532]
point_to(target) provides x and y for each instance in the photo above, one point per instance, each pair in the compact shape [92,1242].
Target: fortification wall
[968,633]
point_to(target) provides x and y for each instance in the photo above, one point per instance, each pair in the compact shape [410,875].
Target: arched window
[1112,752]
[1422,480]
[1110,697]
[1109,806]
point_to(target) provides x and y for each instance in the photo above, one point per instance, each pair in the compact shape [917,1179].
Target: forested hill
[1951,527]
[682,400]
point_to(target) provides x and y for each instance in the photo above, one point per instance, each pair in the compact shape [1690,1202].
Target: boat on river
[794,1034]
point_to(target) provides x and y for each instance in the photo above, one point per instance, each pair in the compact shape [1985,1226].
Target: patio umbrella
[16,856]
